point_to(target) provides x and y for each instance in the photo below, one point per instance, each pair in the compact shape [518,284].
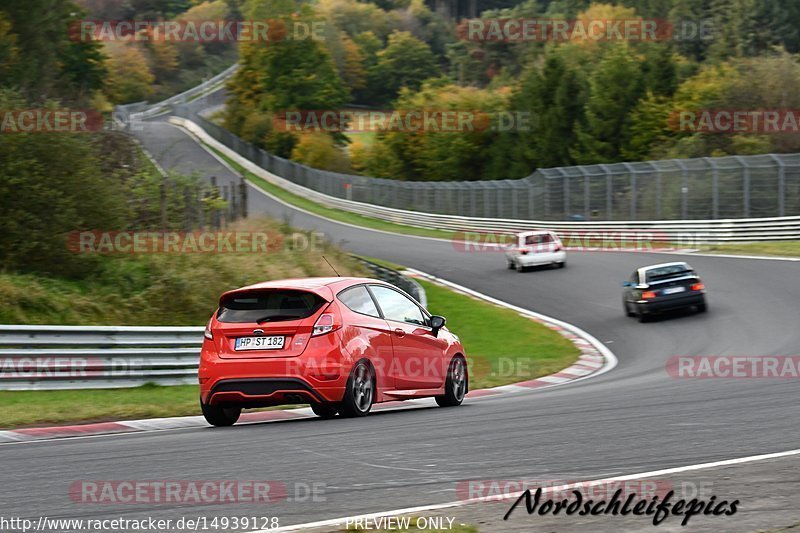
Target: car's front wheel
[456,384]
[359,392]
[220,416]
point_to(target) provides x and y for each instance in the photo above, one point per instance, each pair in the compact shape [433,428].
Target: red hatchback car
[340,344]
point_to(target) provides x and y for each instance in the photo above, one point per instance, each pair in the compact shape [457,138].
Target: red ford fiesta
[340,344]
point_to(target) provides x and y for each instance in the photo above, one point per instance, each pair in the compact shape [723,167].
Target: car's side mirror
[436,322]
[626,284]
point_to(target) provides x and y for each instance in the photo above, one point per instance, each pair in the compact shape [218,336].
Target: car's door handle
[399,332]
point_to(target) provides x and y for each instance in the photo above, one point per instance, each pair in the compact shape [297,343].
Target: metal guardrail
[680,233]
[94,357]
[83,357]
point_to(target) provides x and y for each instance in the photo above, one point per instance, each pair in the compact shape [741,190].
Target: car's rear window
[266,306]
[541,238]
[665,272]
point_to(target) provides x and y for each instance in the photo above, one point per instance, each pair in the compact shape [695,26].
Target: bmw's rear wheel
[520,267]
[456,385]
[324,411]
[220,416]
[359,392]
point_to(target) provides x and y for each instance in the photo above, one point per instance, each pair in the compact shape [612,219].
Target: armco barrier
[680,233]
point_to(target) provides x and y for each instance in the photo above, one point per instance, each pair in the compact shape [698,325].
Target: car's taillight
[558,248]
[647,295]
[523,251]
[207,333]
[698,286]
[326,323]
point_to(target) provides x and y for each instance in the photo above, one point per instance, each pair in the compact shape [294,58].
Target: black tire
[562,264]
[456,385]
[359,393]
[643,317]
[220,416]
[702,308]
[324,411]
[519,267]
[510,264]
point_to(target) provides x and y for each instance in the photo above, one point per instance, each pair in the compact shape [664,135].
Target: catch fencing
[708,188]
[86,357]
[678,233]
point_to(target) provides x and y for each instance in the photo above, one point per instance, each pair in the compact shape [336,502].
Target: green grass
[367,138]
[334,214]
[171,289]
[502,346]
[778,249]
[57,407]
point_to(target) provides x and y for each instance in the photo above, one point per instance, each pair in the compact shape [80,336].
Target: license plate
[274,342]
[673,290]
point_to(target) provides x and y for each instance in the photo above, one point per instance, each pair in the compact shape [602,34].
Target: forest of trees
[591,101]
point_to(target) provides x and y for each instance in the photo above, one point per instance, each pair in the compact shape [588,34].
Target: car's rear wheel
[520,267]
[220,416]
[562,264]
[643,317]
[359,392]
[510,264]
[702,308]
[323,410]
[456,384]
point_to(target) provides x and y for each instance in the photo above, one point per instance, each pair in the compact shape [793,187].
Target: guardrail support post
[243,197]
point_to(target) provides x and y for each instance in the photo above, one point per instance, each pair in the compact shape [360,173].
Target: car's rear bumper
[542,258]
[667,304]
[318,375]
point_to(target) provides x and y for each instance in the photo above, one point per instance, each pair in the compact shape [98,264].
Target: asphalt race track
[635,418]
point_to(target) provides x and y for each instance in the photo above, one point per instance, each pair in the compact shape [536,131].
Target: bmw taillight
[698,287]
[207,333]
[326,323]
[523,251]
[558,248]
[648,295]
